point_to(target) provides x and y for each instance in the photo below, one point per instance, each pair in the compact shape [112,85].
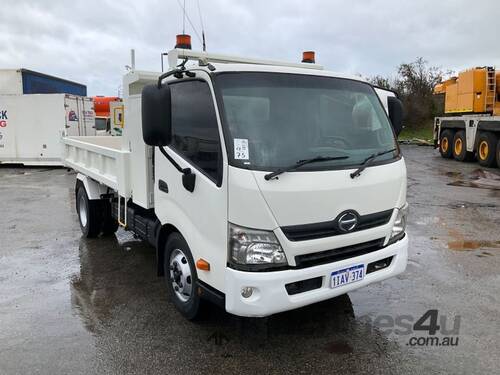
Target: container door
[72,121]
[88,115]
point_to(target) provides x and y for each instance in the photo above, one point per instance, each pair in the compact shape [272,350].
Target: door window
[195,133]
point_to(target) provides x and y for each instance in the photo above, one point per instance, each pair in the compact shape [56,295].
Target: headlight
[398,230]
[252,247]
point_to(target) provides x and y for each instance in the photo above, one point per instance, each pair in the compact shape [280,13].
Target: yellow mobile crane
[471,124]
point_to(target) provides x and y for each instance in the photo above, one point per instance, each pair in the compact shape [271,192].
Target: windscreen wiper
[300,163]
[368,161]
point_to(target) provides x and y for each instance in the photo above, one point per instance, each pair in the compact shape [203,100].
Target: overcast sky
[89,41]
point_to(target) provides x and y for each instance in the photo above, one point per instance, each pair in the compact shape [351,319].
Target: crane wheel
[459,150]
[445,143]
[487,149]
[498,153]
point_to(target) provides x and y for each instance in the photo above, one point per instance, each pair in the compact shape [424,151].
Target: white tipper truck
[264,186]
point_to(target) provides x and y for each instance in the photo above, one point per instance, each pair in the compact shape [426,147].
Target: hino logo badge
[347,221]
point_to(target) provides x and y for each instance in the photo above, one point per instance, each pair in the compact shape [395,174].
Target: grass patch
[419,133]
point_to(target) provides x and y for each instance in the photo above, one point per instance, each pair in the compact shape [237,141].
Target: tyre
[459,149]
[88,214]
[487,149]
[181,276]
[498,153]
[109,223]
[445,143]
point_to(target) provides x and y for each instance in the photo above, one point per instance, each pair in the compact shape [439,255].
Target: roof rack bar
[204,57]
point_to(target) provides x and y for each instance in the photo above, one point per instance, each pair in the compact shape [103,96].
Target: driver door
[197,143]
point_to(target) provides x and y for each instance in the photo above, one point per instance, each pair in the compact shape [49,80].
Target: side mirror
[396,111]
[156,115]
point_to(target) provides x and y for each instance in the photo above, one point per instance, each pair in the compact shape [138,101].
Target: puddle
[460,243]
[453,174]
[478,178]
[471,205]
[340,347]
[463,245]
[414,263]
[472,245]
[484,254]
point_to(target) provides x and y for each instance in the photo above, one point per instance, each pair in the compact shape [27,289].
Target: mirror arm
[177,73]
[188,178]
[167,74]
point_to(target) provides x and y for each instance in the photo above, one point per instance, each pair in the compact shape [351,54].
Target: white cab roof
[276,69]
[226,63]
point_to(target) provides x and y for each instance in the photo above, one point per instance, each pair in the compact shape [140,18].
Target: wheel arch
[161,239]
[490,126]
[93,188]
[452,124]
[486,127]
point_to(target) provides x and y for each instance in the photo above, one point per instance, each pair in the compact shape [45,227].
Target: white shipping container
[31,126]
[11,82]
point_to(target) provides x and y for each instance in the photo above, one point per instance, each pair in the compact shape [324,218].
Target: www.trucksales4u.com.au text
[429,329]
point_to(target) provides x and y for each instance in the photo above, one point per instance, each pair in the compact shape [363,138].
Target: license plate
[347,275]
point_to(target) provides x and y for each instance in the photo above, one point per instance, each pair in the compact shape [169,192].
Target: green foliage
[423,132]
[414,84]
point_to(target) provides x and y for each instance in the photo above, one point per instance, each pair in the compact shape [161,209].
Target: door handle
[162,185]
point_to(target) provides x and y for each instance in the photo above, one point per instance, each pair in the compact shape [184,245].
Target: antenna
[186,16]
[132,59]
[202,27]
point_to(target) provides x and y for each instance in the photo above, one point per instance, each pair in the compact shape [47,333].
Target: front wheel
[181,277]
[445,143]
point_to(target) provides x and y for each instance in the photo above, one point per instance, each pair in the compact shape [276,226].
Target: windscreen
[274,120]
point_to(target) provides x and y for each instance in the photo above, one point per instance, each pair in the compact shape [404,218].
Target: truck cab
[265,186]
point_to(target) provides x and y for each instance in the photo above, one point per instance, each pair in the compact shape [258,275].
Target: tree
[414,84]
[382,81]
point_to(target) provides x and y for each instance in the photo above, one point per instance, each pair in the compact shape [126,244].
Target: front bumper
[270,295]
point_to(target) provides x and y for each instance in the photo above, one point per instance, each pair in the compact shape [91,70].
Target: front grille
[329,228]
[329,256]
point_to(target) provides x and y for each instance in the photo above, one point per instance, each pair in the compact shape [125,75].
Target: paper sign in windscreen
[241,149]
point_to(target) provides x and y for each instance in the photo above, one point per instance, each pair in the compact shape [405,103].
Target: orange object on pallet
[101,104]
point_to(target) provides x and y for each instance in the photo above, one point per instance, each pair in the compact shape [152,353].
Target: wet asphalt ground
[75,306]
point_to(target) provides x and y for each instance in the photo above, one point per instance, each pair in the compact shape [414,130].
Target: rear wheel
[445,143]
[88,214]
[109,223]
[181,276]
[498,153]
[487,149]
[460,147]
